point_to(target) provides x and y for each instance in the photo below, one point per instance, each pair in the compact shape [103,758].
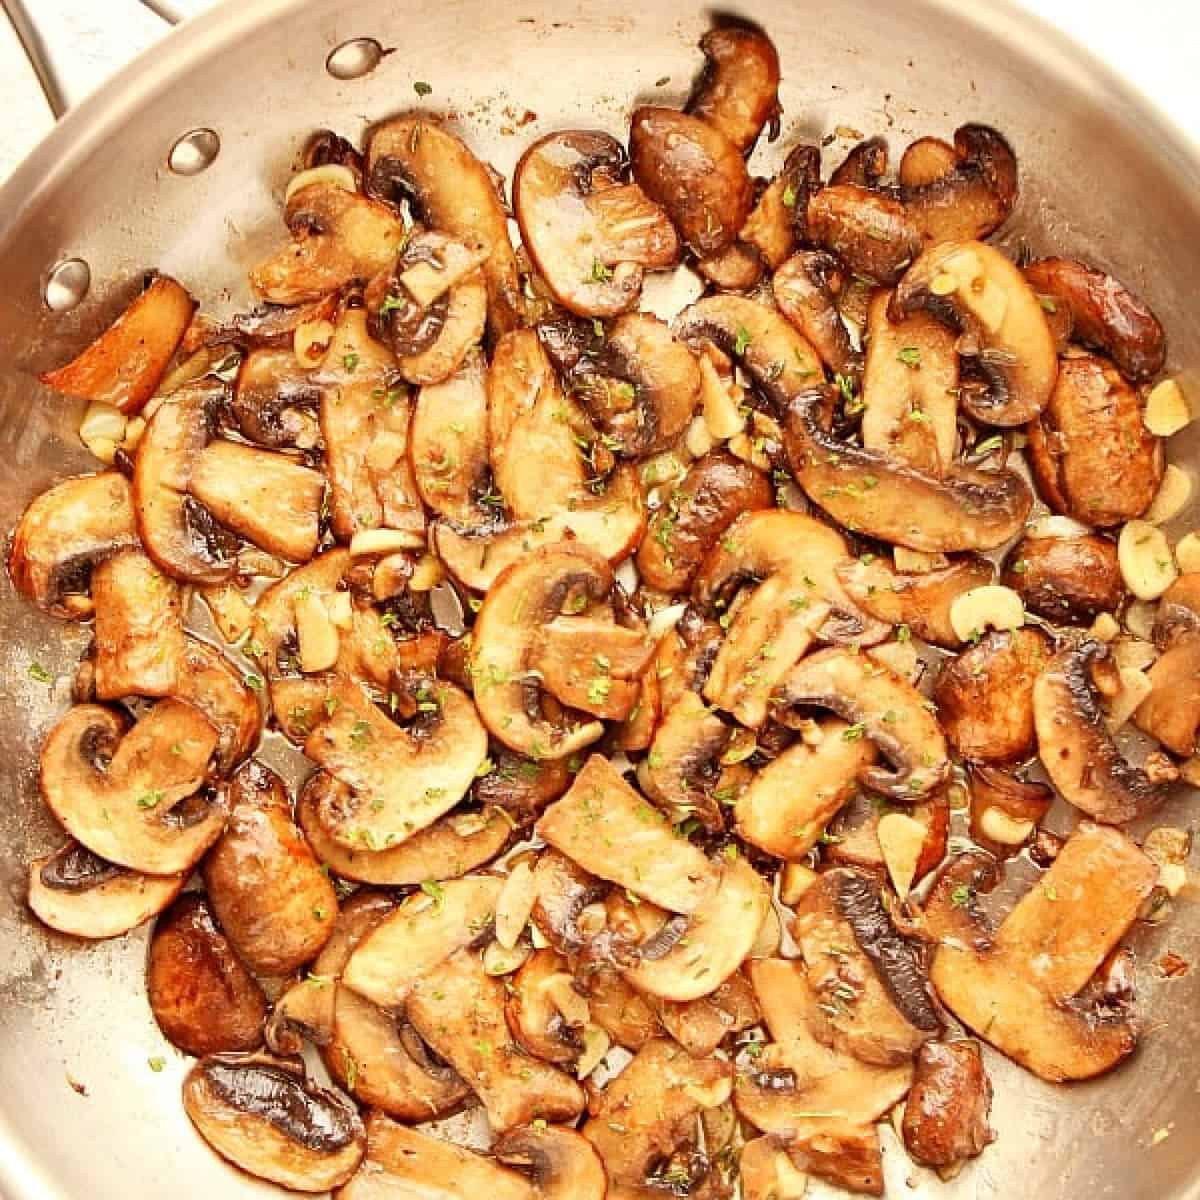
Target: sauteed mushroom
[738,91]
[946,1114]
[1070,580]
[1171,712]
[870,232]
[561,1164]
[804,288]
[273,396]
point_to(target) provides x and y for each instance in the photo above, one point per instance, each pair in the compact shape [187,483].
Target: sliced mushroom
[946,1115]
[804,288]
[1005,810]
[338,237]
[1069,580]
[865,164]
[882,707]
[1076,747]
[562,1164]
[1020,988]
[768,1173]
[872,494]
[738,91]
[791,800]
[139,642]
[1092,456]
[455,334]
[873,999]
[868,230]
[522,787]
[459,1010]
[700,1026]
[120,790]
[681,768]
[970,196]
[601,812]
[64,533]
[592,665]
[538,995]
[124,365]
[589,234]
[1104,313]
[623,1013]
[264,1117]
[1171,712]
[413,158]
[273,326]
[563,890]
[75,892]
[779,216]
[208,681]
[854,836]
[273,398]
[1002,327]
[694,172]
[984,697]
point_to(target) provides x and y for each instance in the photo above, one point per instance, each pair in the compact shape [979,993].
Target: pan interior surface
[83,1111]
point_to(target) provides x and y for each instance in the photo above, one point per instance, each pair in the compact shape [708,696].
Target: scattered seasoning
[742,340]
[1047,303]
[1171,966]
[360,734]
[319,912]
[789,196]
[156,1063]
[254,682]
[599,273]
[1050,891]
[435,892]
[903,633]
[961,896]
[854,733]
[151,799]
[1020,567]
[662,81]
[39,674]
[422,88]
[350,362]
[910,356]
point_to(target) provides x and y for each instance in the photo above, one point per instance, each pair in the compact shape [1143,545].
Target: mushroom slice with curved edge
[563,890]
[266,1118]
[202,996]
[1020,988]
[872,494]
[64,533]
[178,532]
[459,1010]
[920,601]
[971,196]
[400,779]
[425,930]
[338,237]
[1069,580]
[601,812]
[274,902]
[715,490]
[1001,325]
[623,1013]
[791,800]
[75,892]
[139,640]
[804,289]
[868,230]
[208,681]
[541,1009]
[946,1116]
[273,396]
[910,388]
[680,769]
[589,234]
[700,1026]
[984,697]
[459,333]
[771,229]
[562,1164]
[411,157]
[865,165]
[767,1173]
[124,365]
[882,707]
[720,933]
[873,999]
[592,665]
[1092,456]
[1076,747]
[1005,811]
[1104,313]
[1171,712]
[116,789]
[738,91]
[695,172]
[925,161]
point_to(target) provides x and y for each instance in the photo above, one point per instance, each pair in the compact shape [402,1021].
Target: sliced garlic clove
[1187,553]
[1135,687]
[596,1045]
[1172,497]
[371,542]
[316,633]
[515,905]
[992,606]
[999,826]
[1167,409]
[901,839]
[1147,565]
[328,175]
[794,880]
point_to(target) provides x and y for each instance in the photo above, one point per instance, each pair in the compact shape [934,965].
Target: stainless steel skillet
[82,1113]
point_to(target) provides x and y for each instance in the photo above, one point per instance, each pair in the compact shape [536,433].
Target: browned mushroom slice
[592,665]
[1069,580]
[623,1013]
[882,707]
[681,769]
[272,398]
[272,326]
[1171,712]
[649,1110]
[1104,313]
[1020,988]
[64,533]
[459,1010]
[1001,325]
[873,999]
[602,812]
[773,224]
[1017,807]
[338,237]
[75,892]
[1076,747]
[791,800]
[920,601]
[910,388]
[119,790]
[561,1163]
[695,172]
[123,366]
[414,158]
[365,424]
[208,681]
[178,532]
[738,92]
[563,890]
[139,641]
[427,928]
[457,336]
[804,288]
[946,1116]
[204,999]
[736,268]
[264,1117]
[854,836]
[535,1013]
[971,195]
[400,779]
[984,697]
[268,498]
[700,1026]
[865,164]
[767,1172]
[872,494]
[1092,455]
[715,490]
[869,231]
[1178,611]
[589,234]
[521,786]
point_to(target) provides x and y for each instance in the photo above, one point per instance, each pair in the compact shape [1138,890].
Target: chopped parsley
[910,356]
[39,674]
[742,340]
[422,88]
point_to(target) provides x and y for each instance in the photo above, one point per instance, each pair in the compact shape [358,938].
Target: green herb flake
[422,88]
[961,896]
[156,1063]
[903,634]
[854,733]
[39,674]
[741,341]
[910,356]
[599,272]
[789,196]
[435,892]
[253,682]
[151,799]
[350,362]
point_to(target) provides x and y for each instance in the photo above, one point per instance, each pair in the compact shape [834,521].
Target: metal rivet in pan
[67,284]
[194,152]
[354,59]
